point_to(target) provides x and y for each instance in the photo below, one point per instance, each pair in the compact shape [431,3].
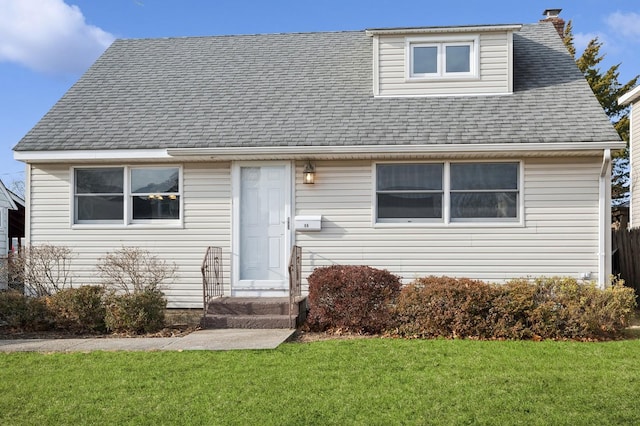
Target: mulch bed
[173,331]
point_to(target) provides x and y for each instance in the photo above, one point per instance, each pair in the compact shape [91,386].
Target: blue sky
[46,45]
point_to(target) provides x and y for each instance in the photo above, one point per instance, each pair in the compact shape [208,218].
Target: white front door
[262,233]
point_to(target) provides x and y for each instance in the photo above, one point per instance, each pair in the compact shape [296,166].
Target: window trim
[446,220]
[127,220]
[441,43]
[425,191]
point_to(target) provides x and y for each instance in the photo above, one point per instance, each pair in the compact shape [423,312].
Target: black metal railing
[295,281]
[211,275]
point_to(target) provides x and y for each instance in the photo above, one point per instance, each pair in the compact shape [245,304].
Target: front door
[262,216]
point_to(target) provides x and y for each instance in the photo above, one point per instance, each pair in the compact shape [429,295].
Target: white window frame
[446,220]
[425,191]
[441,44]
[127,194]
[131,194]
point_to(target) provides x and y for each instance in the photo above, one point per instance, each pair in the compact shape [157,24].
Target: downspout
[604,227]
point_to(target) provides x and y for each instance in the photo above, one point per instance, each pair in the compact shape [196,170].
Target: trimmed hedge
[445,307]
[87,309]
[547,308]
[19,312]
[351,298]
[139,312]
[79,310]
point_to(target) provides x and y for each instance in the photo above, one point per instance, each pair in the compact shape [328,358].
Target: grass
[367,381]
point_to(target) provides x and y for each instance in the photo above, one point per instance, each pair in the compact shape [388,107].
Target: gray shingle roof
[305,89]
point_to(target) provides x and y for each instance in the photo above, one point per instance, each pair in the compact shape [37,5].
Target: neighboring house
[11,225]
[470,151]
[11,221]
[633,98]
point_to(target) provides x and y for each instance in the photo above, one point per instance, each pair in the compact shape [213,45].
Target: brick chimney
[553,16]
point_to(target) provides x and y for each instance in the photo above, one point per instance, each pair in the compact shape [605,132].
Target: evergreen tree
[607,90]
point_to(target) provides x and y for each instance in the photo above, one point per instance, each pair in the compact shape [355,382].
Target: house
[632,98]
[12,209]
[11,225]
[476,151]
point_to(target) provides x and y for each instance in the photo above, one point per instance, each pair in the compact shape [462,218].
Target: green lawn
[368,381]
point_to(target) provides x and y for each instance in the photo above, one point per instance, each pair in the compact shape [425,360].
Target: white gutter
[629,97]
[393,149]
[604,219]
[90,155]
[435,30]
[303,151]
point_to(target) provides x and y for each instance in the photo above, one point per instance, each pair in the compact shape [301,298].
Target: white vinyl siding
[207,222]
[635,165]
[559,235]
[494,72]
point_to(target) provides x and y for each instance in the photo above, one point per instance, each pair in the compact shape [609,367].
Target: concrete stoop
[254,313]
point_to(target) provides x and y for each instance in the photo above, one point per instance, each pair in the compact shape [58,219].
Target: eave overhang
[438,30]
[319,152]
[629,97]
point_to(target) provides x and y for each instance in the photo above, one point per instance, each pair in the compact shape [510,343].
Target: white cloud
[625,24]
[49,36]
[581,40]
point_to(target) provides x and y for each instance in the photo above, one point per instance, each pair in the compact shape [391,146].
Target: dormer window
[437,58]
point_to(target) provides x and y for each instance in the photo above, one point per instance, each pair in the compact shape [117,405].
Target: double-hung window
[99,195]
[484,191]
[155,193]
[126,195]
[409,192]
[448,192]
[451,57]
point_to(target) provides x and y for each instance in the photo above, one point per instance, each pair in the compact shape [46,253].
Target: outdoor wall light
[309,173]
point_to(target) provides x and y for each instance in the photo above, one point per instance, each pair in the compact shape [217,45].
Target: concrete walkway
[206,340]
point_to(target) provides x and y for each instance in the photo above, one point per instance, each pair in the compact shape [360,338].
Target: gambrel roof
[306,89]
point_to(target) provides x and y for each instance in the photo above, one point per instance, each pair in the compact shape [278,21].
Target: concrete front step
[254,312]
[250,321]
[251,306]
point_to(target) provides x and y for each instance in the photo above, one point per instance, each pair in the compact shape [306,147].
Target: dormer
[443,61]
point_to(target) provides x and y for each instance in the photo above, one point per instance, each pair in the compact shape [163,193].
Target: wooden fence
[625,246]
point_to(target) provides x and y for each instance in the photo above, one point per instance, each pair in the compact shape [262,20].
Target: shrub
[559,308]
[352,298]
[445,307]
[25,313]
[132,270]
[140,312]
[546,308]
[80,310]
[42,269]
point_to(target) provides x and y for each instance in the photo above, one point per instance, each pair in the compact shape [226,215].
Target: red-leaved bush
[352,298]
